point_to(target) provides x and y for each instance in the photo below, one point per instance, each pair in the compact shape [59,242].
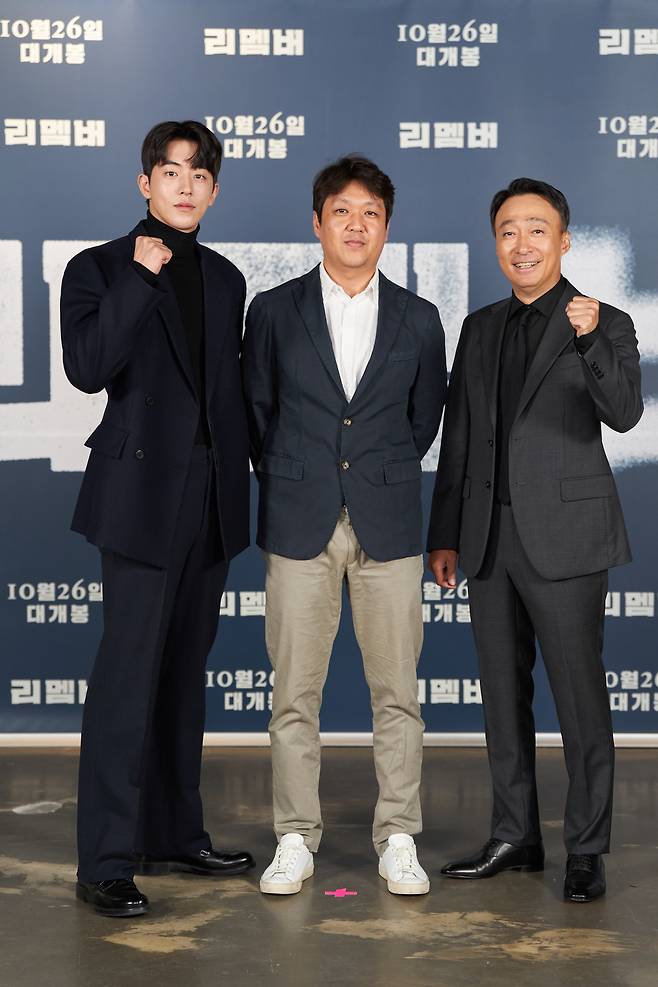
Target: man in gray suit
[524,493]
[344,375]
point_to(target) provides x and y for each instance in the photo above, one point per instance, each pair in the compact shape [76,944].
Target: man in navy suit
[345,382]
[155,319]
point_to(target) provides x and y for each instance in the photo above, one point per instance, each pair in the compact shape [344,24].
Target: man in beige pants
[344,375]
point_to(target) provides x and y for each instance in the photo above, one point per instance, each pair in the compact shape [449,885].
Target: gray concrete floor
[512,930]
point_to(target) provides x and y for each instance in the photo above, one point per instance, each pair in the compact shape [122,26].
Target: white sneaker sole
[396,887]
[287,887]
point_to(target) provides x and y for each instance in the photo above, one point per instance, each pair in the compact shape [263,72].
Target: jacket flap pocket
[407,354]
[584,487]
[401,471]
[108,439]
[466,489]
[291,469]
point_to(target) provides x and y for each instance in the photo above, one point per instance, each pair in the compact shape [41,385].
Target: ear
[213,194]
[565,245]
[388,226]
[316,225]
[144,185]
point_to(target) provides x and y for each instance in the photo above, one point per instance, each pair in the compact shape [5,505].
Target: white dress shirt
[352,326]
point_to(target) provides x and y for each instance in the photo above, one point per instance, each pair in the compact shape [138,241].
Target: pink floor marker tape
[341,893]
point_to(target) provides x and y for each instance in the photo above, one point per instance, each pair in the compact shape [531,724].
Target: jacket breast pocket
[108,439]
[402,471]
[283,466]
[566,368]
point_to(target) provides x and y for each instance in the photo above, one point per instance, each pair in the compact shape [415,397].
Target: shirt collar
[544,304]
[329,286]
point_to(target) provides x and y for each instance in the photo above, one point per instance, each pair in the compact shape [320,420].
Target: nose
[355,224]
[523,243]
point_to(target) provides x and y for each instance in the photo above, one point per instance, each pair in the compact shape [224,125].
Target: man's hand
[583,314]
[443,563]
[152,253]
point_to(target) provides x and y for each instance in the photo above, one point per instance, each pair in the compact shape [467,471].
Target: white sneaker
[399,866]
[292,864]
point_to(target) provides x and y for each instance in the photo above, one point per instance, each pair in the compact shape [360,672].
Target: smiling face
[352,231]
[179,194]
[530,243]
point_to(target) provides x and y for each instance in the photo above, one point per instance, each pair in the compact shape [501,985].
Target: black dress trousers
[143,722]
[511,605]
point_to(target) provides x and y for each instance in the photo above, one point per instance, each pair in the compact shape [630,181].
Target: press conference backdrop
[452,98]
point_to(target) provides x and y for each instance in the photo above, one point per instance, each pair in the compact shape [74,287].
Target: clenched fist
[443,563]
[583,314]
[152,253]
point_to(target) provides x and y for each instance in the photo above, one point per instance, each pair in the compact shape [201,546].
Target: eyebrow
[177,163]
[531,219]
[368,202]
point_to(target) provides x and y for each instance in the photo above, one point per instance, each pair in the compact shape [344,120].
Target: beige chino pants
[302,615]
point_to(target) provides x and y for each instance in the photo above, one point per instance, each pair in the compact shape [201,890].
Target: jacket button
[487,483]
[344,465]
[139,453]
[490,442]
[149,401]
[347,421]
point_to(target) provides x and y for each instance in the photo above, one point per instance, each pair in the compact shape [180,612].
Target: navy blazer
[122,334]
[312,449]
[563,494]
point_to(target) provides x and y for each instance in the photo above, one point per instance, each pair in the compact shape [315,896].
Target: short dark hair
[208,148]
[531,186]
[352,168]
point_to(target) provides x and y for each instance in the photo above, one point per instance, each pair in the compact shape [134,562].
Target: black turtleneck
[184,273]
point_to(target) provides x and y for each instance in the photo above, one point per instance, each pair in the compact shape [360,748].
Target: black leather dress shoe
[214,863]
[494,857]
[119,898]
[584,879]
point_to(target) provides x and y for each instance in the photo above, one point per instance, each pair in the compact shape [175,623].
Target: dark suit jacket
[563,494]
[122,334]
[313,450]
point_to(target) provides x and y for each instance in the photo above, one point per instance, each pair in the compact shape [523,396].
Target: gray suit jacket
[312,449]
[563,494]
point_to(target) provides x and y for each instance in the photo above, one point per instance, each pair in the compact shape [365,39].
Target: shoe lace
[581,861]
[404,860]
[285,858]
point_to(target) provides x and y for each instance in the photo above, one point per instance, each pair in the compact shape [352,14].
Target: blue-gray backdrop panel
[452,99]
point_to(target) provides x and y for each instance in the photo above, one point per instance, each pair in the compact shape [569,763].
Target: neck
[532,294]
[352,281]
[181,242]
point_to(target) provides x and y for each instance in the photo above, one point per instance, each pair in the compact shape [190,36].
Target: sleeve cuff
[583,343]
[145,274]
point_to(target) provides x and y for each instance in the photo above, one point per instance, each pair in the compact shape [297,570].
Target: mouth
[354,243]
[525,265]
[183,205]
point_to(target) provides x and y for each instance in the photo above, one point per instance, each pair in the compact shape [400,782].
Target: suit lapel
[392,305]
[555,337]
[491,341]
[217,302]
[170,313]
[308,298]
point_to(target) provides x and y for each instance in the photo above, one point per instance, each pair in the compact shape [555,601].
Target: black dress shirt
[523,330]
